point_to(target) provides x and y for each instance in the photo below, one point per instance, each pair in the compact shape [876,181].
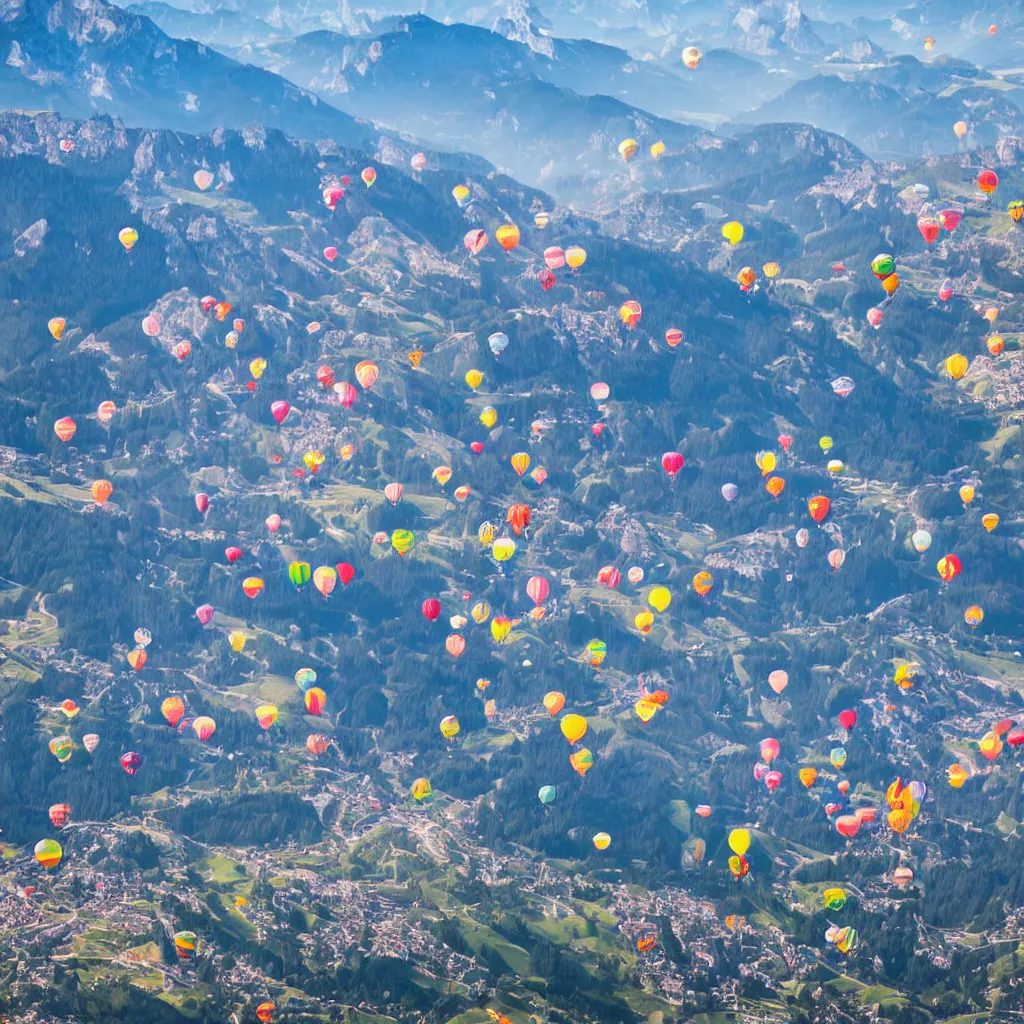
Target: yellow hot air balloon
[56,327]
[486,534]
[808,776]
[956,365]
[474,378]
[767,462]
[128,237]
[771,270]
[488,416]
[659,598]
[958,775]
[442,475]
[644,621]
[905,675]
[692,57]
[960,129]
[575,256]
[732,232]
[481,612]
[825,443]
[503,549]
[574,727]
[628,148]
[266,715]
[602,840]
[739,841]
[421,789]
[257,366]
[966,494]
[658,150]
[520,462]
[500,628]
[460,194]
[237,640]
[450,727]
[990,521]
[646,709]
[507,236]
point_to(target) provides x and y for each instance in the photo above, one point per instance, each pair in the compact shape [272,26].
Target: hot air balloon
[843,386]
[657,150]
[90,741]
[131,762]
[739,841]
[974,616]
[775,485]
[582,761]
[507,236]
[475,241]
[315,700]
[629,313]
[325,579]
[421,789]
[730,492]
[538,589]
[61,747]
[317,743]
[299,574]
[450,727]
[574,727]
[49,853]
[279,410]
[366,373]
[128,237]
[628,148]
[602,840]
[703,582]
[769,749]
[956,366]
[65,428]
[101,490]
[930,227]
[265,1012]
[266,716]
[949,567]
[732,232]
[778,680]
[672,463]
[990,521]
[252,587]
[746,278]
[546,795]
[692,57]
[204,727]
[921,541]
[819,507]
[808,776]
[875,317]
[988,182]
[173,709]
[137,659]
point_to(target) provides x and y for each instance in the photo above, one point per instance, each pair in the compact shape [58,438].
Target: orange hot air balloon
[222,309]
[990,746]
[101,491]
[317,743]
[173,709]
[65,428]
[518,518]
[137,659]
[367,373]
[808,776]
[819,507]
[775,486]
[415,357]
[995,344]
[507,236]
[554,702]
[455,645]
[890,284]
[703,582]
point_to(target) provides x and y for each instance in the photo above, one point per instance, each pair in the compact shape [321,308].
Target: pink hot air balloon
[875,316]
[769,749]
[785,441]
[346,393]
[848,719]
[332,195]
[554,257]
[475,240]
[204,613]
[151,325]
[431,608]
[279,410]
[273,522]
[672,463]
[760,770]
[393,492]
[773,780]
[537,589]
[207,302]
[202,502]
[330,253]
[950,219]
[232,554]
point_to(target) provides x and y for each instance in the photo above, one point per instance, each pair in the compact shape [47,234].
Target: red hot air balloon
[279,410]
[785,441]
[202,503]
[950,219]
[819,507]
[330,253]
[547,279]
[672,463]
[848,719]
[346,573]
[325,377]
[232,555]
[988,182]
[131,762]
[65,428]
[431,608]
[674,337]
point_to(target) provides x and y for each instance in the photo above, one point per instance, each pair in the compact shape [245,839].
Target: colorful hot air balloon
[266,716]
[173,709]
[128,237]
[988,182]
[204,727]
[692,57]
[131,762]
[703,583]
[949,567]
[421,789]
[538,589]
[450,727]
[628,148]
[507,236]
[315,700]
[61,747]
[325,579]
[49,853]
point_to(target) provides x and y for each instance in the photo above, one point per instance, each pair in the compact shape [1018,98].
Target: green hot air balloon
[546,795]
[298,573]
